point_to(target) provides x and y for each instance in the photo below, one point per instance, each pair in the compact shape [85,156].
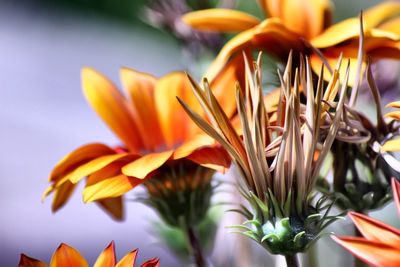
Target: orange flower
[154,130]
[294,25]
[66,256]
[379,245]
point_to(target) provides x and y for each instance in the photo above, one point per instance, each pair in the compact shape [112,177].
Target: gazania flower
[157,140]
[300,25]
[379,244]
[66,256]
[278,159]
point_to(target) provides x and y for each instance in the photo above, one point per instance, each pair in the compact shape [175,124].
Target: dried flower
[278,158]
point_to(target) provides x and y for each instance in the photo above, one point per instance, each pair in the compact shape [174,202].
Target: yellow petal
[395,104]
[140,88]
[175,123]
[112,107]
[391,25]
[220,20]
[62,195]
[393,115]
[107,257]
[94,165]
[373,253]
[128,260]
[141,167]
[110,188]
[392,145]
[66,256]
[375,230]
[78,157]
[26,261]
[113,206]
[350,28]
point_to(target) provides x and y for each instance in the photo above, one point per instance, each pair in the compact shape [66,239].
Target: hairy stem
[291,261]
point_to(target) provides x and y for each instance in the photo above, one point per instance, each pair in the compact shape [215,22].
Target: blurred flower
[278,158]
[158,140]
[304,27]
[361,176]
[379,245]
[66,256]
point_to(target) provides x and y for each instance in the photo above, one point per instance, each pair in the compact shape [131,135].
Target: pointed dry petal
[66,256]
[375,230]
[112,107]
[107,257]
[373,253]
[220,20]
[128,260]
[141,167]
[26,261]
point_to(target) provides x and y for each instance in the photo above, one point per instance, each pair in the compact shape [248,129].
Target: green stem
[194,245]
[291,261]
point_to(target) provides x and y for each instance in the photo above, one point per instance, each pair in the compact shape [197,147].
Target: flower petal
[350,28]
[110,188]
[26,261]
[66,256]
[220,20]
[151,263]
[140,88]
[395,104]
[375,230]
[141,167]
[62,195]
[371,252]
[393,115]
[95,165]
[396,193]
[128,260]
[113,206]
[112,107]
[175,123]
[198,141]
[78,157]
[392,145]
[212,157]
[107,257]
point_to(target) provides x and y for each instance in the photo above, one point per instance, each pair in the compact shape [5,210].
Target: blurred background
[43,46]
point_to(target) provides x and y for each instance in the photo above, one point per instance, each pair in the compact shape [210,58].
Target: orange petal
[112,107]
[66,256]
[396,193]
[371,252]
[62,195]
[311,17]
[392,145]
[212,157]
[107,257]
[113,206]
[375,230]
[393,115]
[175,123]
[141,167]
[151,263]
[26,261]
[128,260]
[94,165]
[395,104]
[198,141]
[220,20]
[78,157]
[350,28]
[140,87]
[110,188]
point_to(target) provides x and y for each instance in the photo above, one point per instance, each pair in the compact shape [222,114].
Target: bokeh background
[43,115]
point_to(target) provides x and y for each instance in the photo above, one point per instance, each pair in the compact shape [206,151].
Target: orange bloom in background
[66,256]
[380,244]
[154,130]
[300,25]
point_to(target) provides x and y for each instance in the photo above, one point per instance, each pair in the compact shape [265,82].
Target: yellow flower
[300,25]
[154,130]
[66,256]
